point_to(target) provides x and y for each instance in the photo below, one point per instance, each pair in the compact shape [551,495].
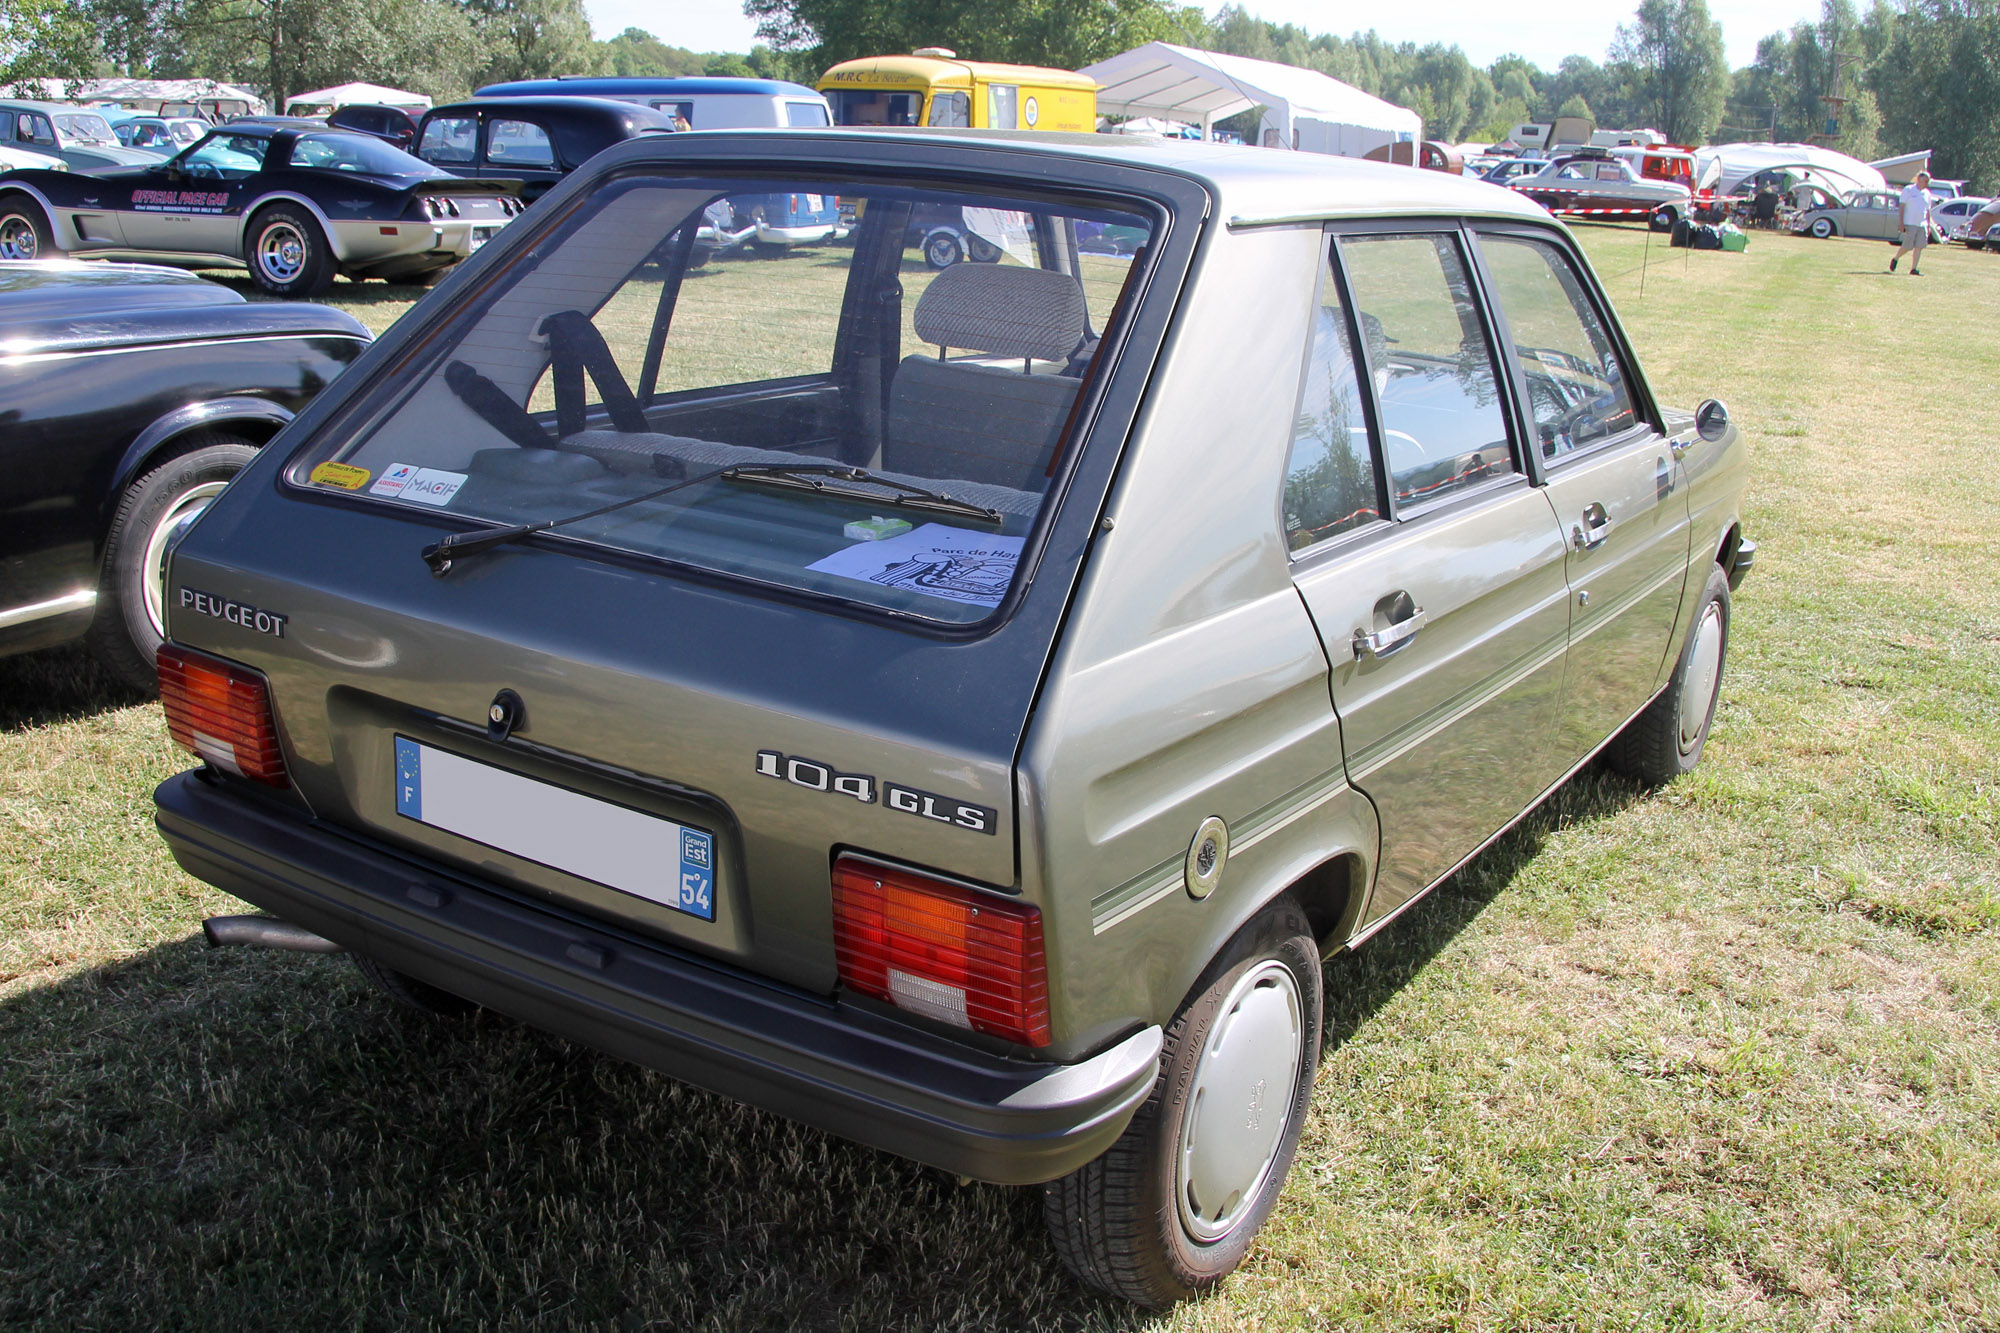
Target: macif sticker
[344,475]
[936,560]
[427,486]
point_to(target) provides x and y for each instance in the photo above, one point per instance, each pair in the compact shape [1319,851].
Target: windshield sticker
[428,486]
[936,560]
[344,475]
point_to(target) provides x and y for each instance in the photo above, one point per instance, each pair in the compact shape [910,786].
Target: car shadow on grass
[58,685]
[204,1138]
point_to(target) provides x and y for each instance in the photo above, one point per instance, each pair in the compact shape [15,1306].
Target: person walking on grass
[1916,223]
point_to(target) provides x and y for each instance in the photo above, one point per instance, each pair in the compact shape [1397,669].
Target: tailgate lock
[505,715]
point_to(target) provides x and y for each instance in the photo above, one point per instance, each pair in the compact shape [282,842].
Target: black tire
[126,632]
[1126,1223]
[942,250]
[982,251]
[287,253]
[1667,739]
[24,229]
[1663,219]
[407,991]
[1824,229]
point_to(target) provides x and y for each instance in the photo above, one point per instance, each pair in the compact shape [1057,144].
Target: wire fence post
[1645,259]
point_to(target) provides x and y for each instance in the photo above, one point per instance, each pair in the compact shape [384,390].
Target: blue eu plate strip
[409,778]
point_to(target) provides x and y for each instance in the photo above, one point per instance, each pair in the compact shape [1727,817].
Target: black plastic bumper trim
[1741,563]
[839,1068]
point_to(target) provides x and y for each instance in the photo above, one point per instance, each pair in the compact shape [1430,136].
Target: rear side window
[1443,424]
[806,113]
[518,143]
[786,332]
[1003,107]
[450,139]
[1331,485]
[1577,387]
[951,109]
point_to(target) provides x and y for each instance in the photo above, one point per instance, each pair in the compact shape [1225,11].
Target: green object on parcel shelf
[874,528]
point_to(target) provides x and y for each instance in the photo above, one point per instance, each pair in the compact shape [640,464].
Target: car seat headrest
[1002,310]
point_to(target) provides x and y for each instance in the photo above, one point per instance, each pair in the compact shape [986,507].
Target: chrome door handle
[1385,641]
[1593,530]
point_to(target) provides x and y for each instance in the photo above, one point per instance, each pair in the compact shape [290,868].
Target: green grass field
[1721,1056]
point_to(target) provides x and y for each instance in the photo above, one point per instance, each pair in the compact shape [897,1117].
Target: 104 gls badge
[815,776]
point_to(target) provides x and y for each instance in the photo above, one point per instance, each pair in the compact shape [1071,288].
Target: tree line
[1901,76]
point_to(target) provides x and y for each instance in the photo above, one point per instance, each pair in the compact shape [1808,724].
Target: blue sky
[1544,32]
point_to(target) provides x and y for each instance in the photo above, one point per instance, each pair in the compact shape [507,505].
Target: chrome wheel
[1704,675]
[18,238]
[1240,1101]
[282,253]
[153,561]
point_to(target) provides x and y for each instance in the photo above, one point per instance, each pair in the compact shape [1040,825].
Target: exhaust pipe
[265,932]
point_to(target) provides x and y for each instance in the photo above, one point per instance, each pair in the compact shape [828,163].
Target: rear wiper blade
[444,554]
[905,495]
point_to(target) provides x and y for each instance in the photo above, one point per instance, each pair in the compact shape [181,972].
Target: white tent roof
[195,92]
[364,94]
[1181,83]
[1824,166]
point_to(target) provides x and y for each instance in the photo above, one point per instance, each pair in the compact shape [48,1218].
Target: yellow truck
[932,86]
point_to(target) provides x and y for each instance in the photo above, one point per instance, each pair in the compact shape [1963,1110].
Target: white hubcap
[1240,1101]
[281,252]
[1704,675]
[17,238]
[153,569]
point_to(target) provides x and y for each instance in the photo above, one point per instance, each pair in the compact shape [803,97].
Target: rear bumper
[1741,563]
[845,1070]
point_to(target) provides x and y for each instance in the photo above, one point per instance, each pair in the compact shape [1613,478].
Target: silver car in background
[959,709]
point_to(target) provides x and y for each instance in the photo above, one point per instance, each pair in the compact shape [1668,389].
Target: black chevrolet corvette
[293,203]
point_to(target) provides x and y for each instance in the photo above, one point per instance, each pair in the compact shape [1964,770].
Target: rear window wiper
[442,555]
[906,496]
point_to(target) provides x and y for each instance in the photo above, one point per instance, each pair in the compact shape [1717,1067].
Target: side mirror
[1711,420]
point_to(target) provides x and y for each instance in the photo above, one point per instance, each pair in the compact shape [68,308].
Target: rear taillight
[955,955]
[221,712]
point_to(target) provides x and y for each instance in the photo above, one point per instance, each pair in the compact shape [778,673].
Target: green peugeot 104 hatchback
[959,709]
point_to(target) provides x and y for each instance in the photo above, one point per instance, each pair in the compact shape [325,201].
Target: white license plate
[620,848]
[481,235]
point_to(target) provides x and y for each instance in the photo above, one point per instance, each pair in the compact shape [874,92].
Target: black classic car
[129,396]
[293,204]
[533,140]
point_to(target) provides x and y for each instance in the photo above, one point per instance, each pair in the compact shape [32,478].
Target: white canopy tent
[327,100]
[1303,108]
[218,101]
[1816,165]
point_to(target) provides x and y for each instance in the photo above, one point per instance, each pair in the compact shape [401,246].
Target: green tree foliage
[1673,62]
[1938,86]
[1574,107]
[1817,73]
[1062,33]
[44,39]
[534,39]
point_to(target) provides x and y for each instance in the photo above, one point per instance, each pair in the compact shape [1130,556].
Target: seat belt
[490,403]
[576,347]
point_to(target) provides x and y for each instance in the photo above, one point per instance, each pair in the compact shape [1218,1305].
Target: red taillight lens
[221,712]
[964,958]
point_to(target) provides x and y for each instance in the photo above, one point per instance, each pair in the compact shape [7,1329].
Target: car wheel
[1171,1208]
[1666,740]
[982,251]
[1823,228]
[942,250]
[1663,219]
[24,230]
[152,514]
[407,991]
[288,254]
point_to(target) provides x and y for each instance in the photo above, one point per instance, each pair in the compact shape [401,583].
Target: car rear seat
[984,423]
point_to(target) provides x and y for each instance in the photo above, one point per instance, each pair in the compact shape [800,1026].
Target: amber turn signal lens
[222,712]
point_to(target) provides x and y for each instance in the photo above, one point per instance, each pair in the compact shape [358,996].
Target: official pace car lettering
[180,201]
[236,613]
[815,776]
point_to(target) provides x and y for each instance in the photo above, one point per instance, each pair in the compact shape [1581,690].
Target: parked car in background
[1509,169]
[1598,183]
[1954,215]
[705,104]
[535,141]
[164,135]
[13,158]
[809,681]
[80,137]
[1978,234]
[1872,214]
[294,207]
[391,124]
[131,395]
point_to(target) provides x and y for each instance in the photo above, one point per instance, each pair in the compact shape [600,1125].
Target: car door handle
[1385,641]
[1593,530]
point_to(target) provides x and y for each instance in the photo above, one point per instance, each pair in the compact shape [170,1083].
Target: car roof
[611,85]
[1254,185]
[596,106]
[31,289]
[48,108]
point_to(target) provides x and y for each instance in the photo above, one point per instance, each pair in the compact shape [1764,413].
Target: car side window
[951,109]
[1003,107]
[450,139]
[519,143]
[1331,481]
[1577,387]
[1436,388]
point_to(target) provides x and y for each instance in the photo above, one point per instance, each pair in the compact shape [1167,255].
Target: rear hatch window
[859,390]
